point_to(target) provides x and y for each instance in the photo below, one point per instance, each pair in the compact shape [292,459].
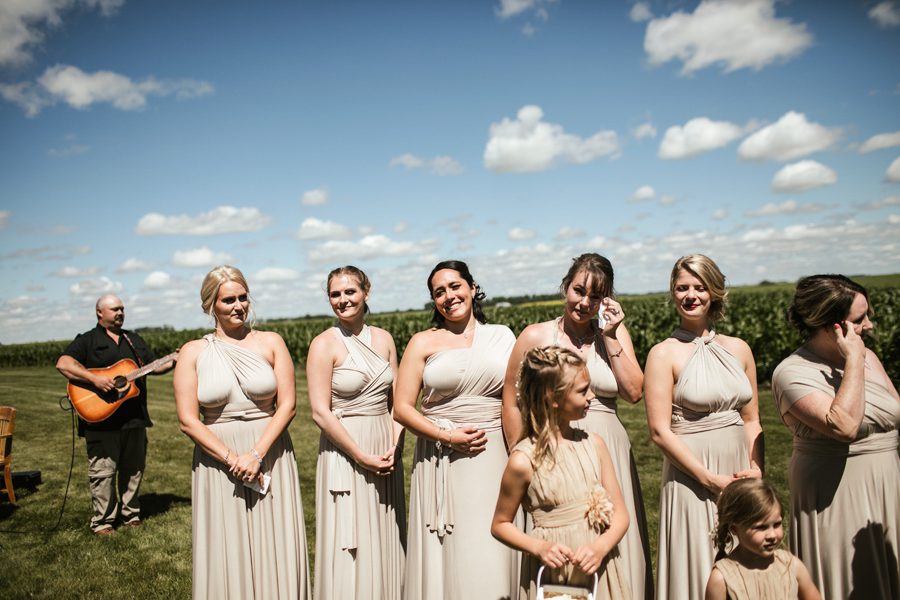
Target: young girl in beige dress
[564,478]
[756,567]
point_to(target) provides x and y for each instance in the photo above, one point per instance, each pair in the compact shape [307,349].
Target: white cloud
[886,201]
[131,265]
[315,229]
[569,233]
[892,174]
[643,193]
[4,218]
[530,144]
[67,151]
[792,136]
[894,219]
[802,176]
[369,247]
[520,233]
[696,137]
[200,257]
[316,197]
[719,214]
[439,165]
[885,14]
[511,8]
[75,272]
[401,226]
[734,33]
[94,288]
[880,142]
[365,229]
[22,24]
[222,219]
[644,130]
[666,199]
[788,207]
[157,280]
[80,90]
[269,274]
[640,12]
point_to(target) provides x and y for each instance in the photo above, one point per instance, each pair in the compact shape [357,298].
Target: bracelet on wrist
[227,454]
[256,456]
[617,354]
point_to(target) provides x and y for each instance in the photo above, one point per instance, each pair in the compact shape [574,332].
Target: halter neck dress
[245,545]
[709,393]
[603,420]
[451,553]
[360,516]
[845,497]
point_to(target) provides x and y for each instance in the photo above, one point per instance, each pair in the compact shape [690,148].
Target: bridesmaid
[360,514]
[248,536]
[703,413]
[587,289]
[836,398]
[458,365]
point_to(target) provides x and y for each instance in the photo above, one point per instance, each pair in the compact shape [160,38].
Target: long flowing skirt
[467,562]
[371,565]
[635,546]
[246,545]
[687,513]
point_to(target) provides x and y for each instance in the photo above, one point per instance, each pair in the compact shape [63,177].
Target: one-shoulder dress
[451,553]
[245,544]
[778,581]
[845,497]
[709,393]
[558,499]
[603,420]
[360,516]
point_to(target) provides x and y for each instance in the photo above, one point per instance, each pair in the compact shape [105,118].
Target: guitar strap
[133,350]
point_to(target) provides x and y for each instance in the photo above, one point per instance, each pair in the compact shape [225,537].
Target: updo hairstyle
[705,269]
[361,280]
[600,270]
[823,300]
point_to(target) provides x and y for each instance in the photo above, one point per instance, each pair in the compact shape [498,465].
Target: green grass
[41,561]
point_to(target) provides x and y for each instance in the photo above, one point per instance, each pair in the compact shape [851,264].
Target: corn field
[757,317]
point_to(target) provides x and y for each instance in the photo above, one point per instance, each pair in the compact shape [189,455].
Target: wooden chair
[7,424]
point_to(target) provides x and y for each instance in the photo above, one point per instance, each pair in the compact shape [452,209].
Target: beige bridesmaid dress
[708,396]
[245,544]
[778,581]
[451,553]
[360,516]
[845,497]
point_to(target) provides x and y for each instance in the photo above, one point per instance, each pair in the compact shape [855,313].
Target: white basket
[575,591]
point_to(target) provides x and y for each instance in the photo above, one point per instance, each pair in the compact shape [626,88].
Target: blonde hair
[545,377]
[705,269]
[361,279]
[742,502]
[209,289]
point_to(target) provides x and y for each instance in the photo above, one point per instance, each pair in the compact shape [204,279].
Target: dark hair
[742,502]
[364,284]
[598,267]
[437,319]
[823,300]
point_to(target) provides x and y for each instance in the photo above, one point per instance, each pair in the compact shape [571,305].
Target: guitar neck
[150,366]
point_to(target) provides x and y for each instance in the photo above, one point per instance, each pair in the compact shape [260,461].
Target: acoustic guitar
[94,406]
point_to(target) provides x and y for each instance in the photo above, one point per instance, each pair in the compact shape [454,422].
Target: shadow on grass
[158,504]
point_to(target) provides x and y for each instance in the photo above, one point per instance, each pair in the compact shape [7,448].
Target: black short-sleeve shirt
[95,349]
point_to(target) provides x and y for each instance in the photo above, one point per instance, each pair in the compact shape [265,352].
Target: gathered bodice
[711,381]
[361,384]
[233,382]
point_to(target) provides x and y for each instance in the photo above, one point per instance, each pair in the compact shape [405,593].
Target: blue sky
[145,142]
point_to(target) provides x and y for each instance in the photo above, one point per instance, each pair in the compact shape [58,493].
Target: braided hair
[742,502]
[545,376]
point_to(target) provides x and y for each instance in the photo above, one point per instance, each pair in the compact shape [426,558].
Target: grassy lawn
[42,560]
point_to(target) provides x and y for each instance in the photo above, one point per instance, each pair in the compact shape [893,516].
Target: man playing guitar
[118,444]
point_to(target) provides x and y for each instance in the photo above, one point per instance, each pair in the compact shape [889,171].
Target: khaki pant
[111,453]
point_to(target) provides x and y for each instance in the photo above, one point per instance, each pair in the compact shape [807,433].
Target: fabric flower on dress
[600,509]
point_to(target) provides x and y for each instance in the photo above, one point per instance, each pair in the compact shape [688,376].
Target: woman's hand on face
[380,465]
[848,342]
[613,315]
[468,440]
[588,559]
[554,554]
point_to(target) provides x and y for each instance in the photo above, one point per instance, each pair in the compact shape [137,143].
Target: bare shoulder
[537,334]
[735,345]
[421,342]
[664,350]
[192,349]
[382,335]
[519,465]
